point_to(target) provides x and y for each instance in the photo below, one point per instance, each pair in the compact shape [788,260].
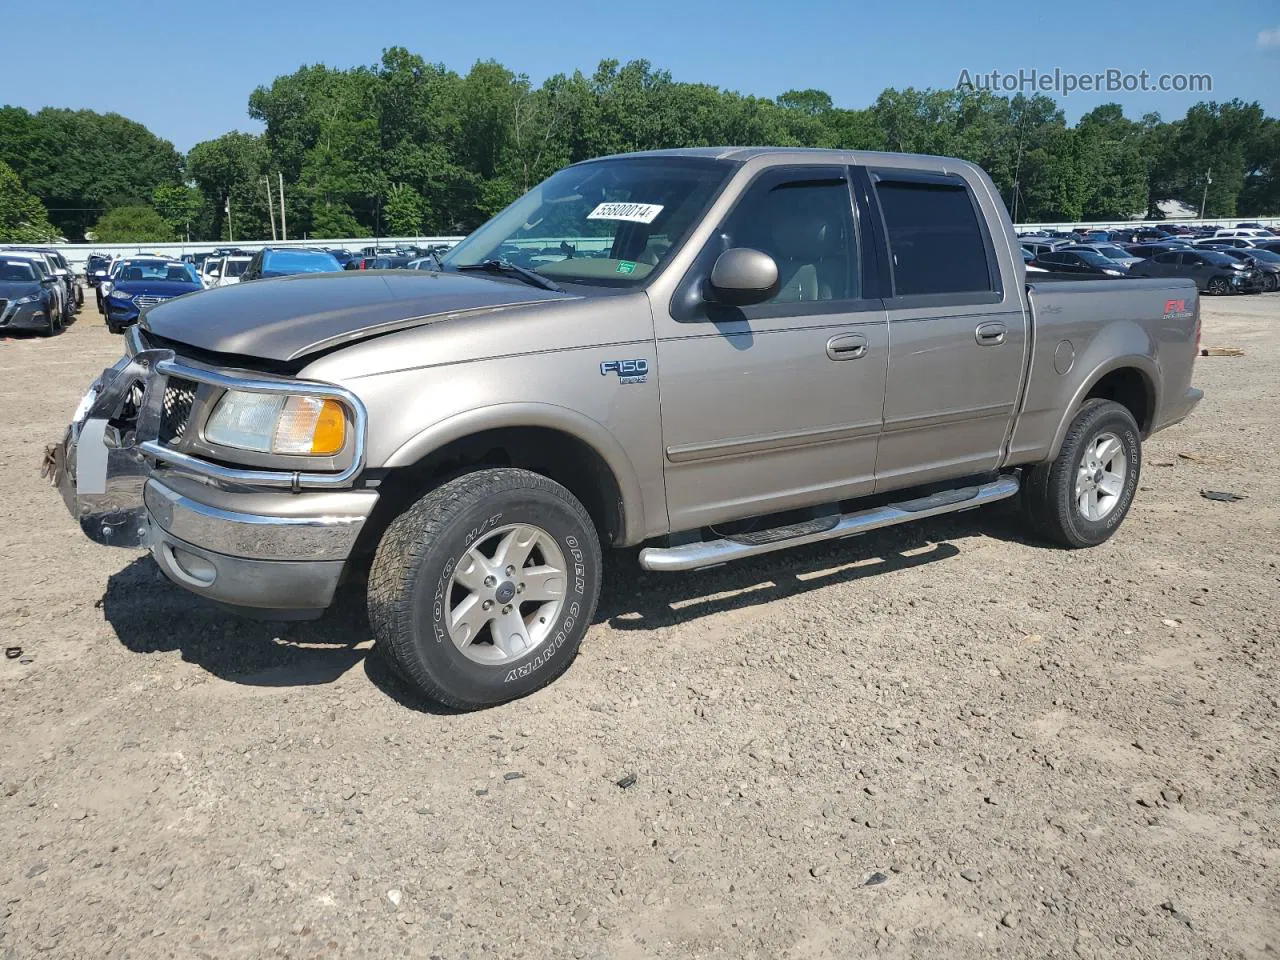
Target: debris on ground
[1222,496]
[628,781]
[1221,352]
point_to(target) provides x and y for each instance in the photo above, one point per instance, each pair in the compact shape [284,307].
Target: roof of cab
[803,155]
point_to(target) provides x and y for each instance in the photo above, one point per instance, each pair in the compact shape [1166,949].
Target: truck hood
[291,317]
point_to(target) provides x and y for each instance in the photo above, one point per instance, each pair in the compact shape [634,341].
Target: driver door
[775,406]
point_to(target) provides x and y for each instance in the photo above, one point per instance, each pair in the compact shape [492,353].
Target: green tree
[22,216]
[403,211]
[183,208]
[78,162]
[135,224]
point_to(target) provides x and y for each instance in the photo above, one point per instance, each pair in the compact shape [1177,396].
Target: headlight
[33,298]
[120,295]
[275,423]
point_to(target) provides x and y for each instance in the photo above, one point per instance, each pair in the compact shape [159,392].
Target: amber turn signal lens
[331,430]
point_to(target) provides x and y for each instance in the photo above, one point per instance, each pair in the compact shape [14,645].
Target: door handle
[990,334]
[851,346]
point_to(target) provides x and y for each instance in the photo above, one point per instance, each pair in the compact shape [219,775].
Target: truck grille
[148,300]
[175,409]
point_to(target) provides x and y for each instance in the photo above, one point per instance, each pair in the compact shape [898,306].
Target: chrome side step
[710,553]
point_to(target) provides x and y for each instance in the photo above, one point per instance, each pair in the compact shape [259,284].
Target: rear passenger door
[957,337]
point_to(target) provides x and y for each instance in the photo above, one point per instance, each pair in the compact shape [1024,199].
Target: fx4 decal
[1177,310]
[628,371]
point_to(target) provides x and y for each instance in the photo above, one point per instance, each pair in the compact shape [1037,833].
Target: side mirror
[742,276]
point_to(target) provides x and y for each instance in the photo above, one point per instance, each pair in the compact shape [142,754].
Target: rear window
[936,242]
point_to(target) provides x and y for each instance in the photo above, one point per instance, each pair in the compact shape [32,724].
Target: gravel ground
[939,741]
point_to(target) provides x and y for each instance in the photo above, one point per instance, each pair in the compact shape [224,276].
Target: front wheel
[1270,282]
[481,591]
[1081,496]
[1219,287]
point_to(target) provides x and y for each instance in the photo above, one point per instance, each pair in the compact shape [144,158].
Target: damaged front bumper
[277,552]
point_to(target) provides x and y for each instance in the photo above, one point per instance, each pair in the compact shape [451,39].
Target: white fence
[78,253]
[1228,224]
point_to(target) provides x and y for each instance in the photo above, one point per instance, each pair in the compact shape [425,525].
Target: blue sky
[186,70]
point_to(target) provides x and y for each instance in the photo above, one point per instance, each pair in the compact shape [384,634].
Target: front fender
[545,415]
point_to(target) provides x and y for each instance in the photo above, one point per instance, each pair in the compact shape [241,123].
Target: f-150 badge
[628,371]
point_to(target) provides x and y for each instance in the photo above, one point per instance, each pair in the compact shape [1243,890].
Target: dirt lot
[941,741]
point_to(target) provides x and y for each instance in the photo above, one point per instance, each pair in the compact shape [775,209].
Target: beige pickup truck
[709,354]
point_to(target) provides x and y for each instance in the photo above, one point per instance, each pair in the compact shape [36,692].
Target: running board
[710,553]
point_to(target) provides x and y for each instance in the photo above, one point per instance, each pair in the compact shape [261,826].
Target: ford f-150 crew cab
[706,353]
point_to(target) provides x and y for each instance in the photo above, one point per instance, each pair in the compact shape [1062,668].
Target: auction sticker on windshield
[633,212]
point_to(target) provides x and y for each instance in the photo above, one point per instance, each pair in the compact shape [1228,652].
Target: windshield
[157,270]
[16,271]
[279,263]
[607,223]
[234,268]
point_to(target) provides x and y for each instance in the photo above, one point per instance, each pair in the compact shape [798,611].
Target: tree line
[406,147]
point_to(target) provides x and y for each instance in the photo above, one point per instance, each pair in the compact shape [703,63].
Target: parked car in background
[44,267]
[1212,270]
[1028,261]
[342,256]
[1078,260]
[210,271]
[423,263]
[394,262]
[142,283]
[27,299]
[95,268]
[1038,247]
[72,293]
[1147,250]
[1112,251]
[231,269]
[1273,246]
[1226,243]
[1247,233]
[286,261]
[1265,261]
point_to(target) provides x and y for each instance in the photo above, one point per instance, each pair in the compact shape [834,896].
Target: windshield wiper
[502,266]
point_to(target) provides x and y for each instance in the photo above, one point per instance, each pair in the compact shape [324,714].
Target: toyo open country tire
[1080,498]
[441,588]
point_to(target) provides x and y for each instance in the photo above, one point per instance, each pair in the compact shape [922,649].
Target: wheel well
[551,453]
[1130,388]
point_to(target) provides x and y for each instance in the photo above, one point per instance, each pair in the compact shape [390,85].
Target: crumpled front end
[255,539]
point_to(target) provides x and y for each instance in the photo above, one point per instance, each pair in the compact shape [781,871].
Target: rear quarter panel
[1085,330]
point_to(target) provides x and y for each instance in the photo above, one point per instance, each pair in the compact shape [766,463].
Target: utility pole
[231,232]
[271,210]
[1207,180]
[284,231]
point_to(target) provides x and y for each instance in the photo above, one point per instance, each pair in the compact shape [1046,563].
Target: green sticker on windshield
[626,266]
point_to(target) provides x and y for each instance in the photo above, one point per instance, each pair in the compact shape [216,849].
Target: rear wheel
[1270,282]
[1081,496]
[482,591]
[1219,287]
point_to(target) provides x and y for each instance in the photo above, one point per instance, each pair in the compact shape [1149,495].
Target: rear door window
[937,244]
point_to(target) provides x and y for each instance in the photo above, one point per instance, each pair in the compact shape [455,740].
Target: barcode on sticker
[634,212]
